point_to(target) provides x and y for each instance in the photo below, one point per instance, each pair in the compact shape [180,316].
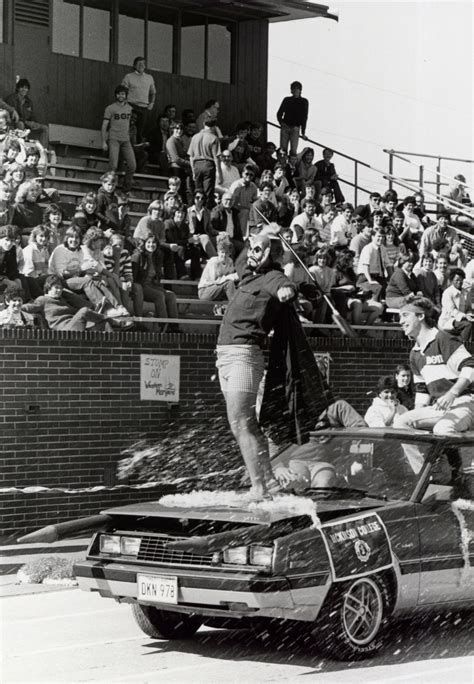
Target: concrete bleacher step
[142,181]
[93,160]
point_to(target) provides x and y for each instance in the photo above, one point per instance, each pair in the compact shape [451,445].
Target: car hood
[244,514]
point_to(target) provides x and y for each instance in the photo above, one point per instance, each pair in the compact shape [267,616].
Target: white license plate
[157,588]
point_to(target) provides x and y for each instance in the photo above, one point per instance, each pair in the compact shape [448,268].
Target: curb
[14,556]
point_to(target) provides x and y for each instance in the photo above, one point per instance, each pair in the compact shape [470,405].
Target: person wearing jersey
[443,373]
[116,135]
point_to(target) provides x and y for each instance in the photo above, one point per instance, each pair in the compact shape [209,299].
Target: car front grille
[154,549]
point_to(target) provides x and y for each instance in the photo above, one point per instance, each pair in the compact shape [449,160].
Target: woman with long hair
[349,300]
[28,213]
[53,223]
[35,260]
[147,264]
[86,215]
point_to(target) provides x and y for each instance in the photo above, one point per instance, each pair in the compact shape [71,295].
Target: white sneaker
[114,312]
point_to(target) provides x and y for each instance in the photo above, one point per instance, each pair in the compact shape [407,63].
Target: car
[377,523]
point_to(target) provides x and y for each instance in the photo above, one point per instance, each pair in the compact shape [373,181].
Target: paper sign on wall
[159,377]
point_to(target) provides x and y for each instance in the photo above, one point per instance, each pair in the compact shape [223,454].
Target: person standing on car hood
[250,316]
[443,373]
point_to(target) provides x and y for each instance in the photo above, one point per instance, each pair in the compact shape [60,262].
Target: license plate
[157,588]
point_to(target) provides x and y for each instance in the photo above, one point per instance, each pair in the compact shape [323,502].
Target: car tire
[165,624]
[353,620]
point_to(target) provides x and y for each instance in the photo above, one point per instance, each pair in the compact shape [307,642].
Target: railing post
[356,181]
[390,169]
[438,178]
[421,176]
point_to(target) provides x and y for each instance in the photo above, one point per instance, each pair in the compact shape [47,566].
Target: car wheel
[352,622]
[164,624]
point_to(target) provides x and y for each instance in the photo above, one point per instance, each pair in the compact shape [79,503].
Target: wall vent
[33,12]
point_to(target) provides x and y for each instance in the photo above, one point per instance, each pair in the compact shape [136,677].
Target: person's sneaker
[219,309]
[114,312]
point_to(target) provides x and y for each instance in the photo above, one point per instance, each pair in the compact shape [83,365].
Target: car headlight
[110,543]
[261,555]
[129,546]
[237,555]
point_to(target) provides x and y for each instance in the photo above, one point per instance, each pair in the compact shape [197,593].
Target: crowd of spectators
[222,187]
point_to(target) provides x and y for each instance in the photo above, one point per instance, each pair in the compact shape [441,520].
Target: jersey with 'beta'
[118,117]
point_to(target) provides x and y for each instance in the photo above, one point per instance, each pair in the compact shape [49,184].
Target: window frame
[114,12]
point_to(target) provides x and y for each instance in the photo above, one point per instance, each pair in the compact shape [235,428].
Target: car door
[446,537]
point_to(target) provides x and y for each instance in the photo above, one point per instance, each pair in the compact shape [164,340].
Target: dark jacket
[401,284]
[9,265]
[177,234]
[219,223]
[255,307]
[141,266]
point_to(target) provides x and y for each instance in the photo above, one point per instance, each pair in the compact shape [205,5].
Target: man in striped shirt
[443,372]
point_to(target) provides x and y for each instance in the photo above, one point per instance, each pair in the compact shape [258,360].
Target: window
[96,33]
[94,16]
[160,27]
[66,27]
[199,34]
[193,36]
[131,32]
[219,52]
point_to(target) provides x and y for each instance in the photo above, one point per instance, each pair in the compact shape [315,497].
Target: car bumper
[209,592]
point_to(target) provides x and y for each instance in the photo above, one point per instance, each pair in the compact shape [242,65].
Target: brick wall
[70,403]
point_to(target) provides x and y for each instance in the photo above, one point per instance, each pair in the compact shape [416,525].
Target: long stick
[341,322]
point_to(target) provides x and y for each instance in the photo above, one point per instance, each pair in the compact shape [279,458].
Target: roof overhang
[245,10]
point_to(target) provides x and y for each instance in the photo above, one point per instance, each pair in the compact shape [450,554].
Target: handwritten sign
[159,378]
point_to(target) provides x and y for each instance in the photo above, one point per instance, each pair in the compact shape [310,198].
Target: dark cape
[295,392]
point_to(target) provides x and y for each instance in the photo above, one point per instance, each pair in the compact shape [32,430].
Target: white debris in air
[467,535]
[288,503]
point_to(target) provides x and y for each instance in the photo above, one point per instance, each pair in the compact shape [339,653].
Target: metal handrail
[430,156]
[461,208]
[397,155]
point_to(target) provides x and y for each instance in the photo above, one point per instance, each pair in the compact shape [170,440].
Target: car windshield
[382,467]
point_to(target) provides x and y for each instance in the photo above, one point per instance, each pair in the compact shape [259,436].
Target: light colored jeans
[289,134]
[459,418]
[117,148]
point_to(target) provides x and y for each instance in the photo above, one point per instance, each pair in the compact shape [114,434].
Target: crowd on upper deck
[89,268]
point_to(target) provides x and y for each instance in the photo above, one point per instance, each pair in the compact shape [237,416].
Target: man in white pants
[443,372]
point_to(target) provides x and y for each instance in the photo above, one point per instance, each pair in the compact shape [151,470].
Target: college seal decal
[362,550]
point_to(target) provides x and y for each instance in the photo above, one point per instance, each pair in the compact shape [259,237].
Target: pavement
[13,556]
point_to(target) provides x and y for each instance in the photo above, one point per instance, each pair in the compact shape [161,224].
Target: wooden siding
[7,72]
[79,89]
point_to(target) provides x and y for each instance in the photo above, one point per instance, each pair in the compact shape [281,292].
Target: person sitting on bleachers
[219,278]
[179,163]
[53,223]
[13,316]
[23,104]
[256,142]
[36,162]
[64,310]
[402,286]
[240,149]
[28,213]
[326,219]
[14,152]
[405,386]
[118,262]
[244,192]
[426,279]
[441,229]
[305,169]
[374,267]
[9,273]
[385,406]
[66,261]
[6,204]
[86,215]
[326,176]
[35,260]
[263,208]
[456,307]
[107,202]
[357,307]
[199,219]
[93,243]
[224,219]
[342,230]
[366,211]
[189,246]
[306,220]
[147,264]
[324,277]
[389,206]
[457,193]
[393,246]
[441,270]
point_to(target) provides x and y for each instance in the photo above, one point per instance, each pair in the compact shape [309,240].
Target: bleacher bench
[72,136]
